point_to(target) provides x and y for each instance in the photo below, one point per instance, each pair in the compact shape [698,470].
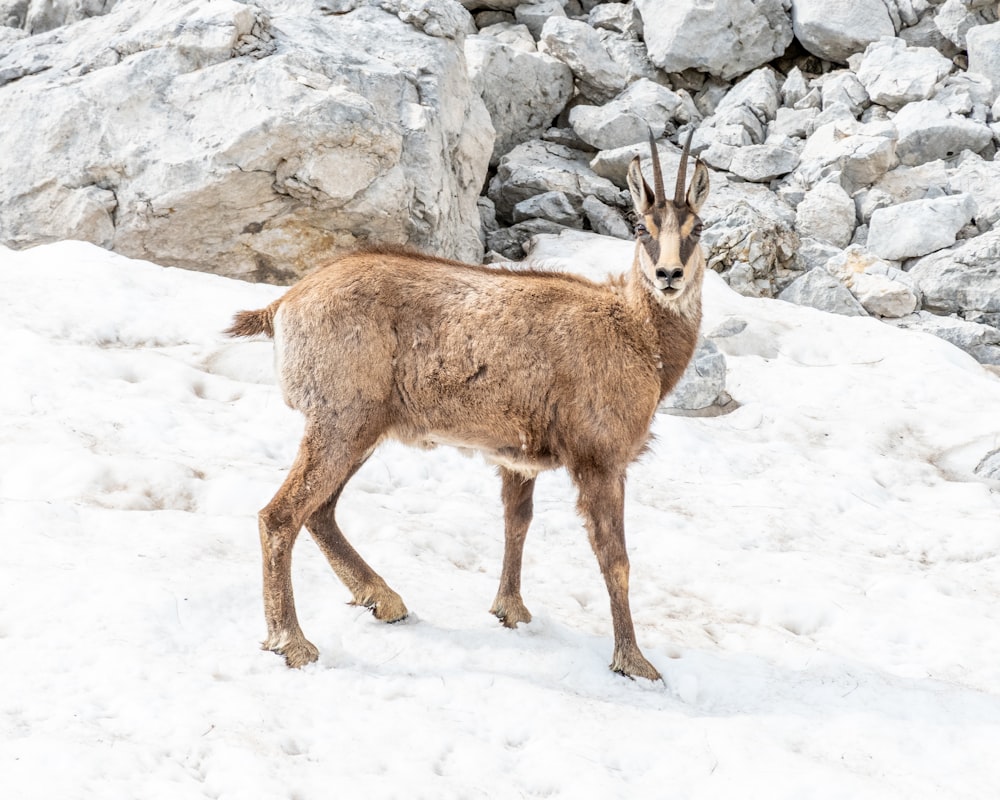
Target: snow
[816,573]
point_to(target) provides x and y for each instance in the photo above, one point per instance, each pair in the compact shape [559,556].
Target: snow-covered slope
[816,574]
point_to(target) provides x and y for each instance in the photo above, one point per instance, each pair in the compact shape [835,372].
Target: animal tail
[251,323]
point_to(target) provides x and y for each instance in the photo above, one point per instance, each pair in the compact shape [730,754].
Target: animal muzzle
[669,279]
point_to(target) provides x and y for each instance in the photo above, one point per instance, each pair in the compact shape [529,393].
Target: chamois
[534,369]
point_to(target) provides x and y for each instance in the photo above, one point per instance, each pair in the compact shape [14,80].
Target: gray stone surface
[984,53]
[599,77]
[980,341]
[928,131]
[643,107]
[726,38]
[826,213]
[963,279]
[764,162]
[819,289]
[836,29]
[914,229]
[895,74]
[219,137]
[523,90]
[703,383]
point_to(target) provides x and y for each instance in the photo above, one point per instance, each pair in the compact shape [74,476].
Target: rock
[981,180]
[955,18]
[983,44]
[836,29]
[798,123]
[982,342]
[895,74]
[523,90]
[861,153]
[963,279]
[884,290]
[926,34]
[703,383]
[813,253]
[794,88]
[844,87]
[761,163]
[40,16]
[758,92]
[989,466]
[534,15]
[749,238]
[643,107]
[618,17]
[538,166]
[826,213]
[211,136]
[581,48]
[913,229]
[819,289]
[726,38]
[928,131]
[510,243]
[903,184]
[605,219]
[553,206]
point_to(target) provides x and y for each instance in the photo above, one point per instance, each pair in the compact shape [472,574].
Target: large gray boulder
[913,229]
[538,166]
[221,137]
[836,29]
[523,90]
[599,76]
[819,289]
[642,108]
[725,38]
[929,131]
[895,74]
[984,53]
[827,214]
[963,279]
[860,153]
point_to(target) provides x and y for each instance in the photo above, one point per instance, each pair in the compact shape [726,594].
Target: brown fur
[534,369]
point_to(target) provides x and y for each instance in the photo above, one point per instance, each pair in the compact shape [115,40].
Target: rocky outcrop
[218,137]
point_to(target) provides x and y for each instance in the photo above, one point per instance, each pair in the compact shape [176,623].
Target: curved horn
[682,171]
[659,198]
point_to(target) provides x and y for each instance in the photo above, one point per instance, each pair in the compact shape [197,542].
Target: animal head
[669,258]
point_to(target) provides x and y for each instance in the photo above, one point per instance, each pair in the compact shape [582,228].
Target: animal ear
[642,195]
[698,192]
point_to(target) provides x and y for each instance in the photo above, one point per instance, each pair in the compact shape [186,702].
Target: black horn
[682,171]
[659,198]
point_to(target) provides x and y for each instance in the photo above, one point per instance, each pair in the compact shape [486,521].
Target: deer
[535,369]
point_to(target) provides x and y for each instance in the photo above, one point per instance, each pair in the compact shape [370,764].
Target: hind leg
[318,471]
[366,586]
[517,494]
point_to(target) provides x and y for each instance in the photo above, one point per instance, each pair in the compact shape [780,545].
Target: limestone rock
[980,341]
[983,43]
[726,38]
[643,107]
[581,48]
[537,166]
[703,383]
[955,18]
[826,213]
[761,163]
[534,15]
[913,229]
[184,134]
[895,74]
[836,29]
[860,153]
[819,289]
[928,131]
[981,180]
[604,219]
[523,90]
[963,279]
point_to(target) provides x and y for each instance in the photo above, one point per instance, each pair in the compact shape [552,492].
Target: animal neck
[676,322]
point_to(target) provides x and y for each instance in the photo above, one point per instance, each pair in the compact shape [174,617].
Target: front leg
[602,504]
[517,494]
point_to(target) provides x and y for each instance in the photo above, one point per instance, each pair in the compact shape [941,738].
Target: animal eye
[696,230]
[641,232]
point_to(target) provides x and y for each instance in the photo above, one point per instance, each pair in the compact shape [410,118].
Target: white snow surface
[816,574]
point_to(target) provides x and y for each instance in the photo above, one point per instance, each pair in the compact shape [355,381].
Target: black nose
[669,275]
